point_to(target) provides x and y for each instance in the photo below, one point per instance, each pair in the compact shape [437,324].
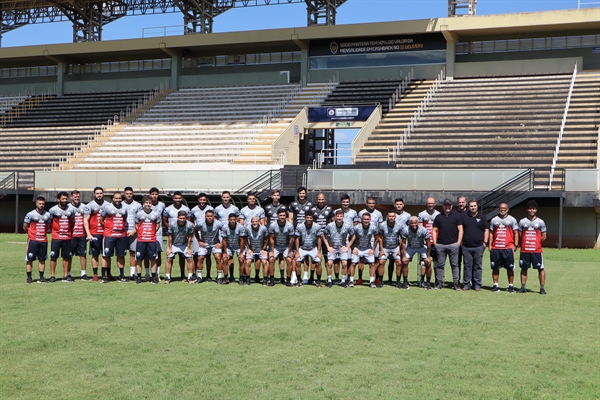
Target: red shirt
[38,225]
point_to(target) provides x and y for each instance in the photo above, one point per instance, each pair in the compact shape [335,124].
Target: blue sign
[341,113]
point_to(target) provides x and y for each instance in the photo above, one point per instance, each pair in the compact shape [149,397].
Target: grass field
[125,341]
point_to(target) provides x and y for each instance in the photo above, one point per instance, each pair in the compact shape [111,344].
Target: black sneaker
[52,279]
[522,290]
[42,280]
[105,280]
[122,279]
[265,282]
[438,285]
[85,278]
[337,281]
[427,286]
[351,284]
[311,281]
[184,279]
[155,280]
[398,285]
[197,281]
[405,286]
[167,281]
[457,286]
[542,291]
[231,279]
[241,281]
[147,278]
[329,284]
[257,279]
[132,278]
[288,284]
[29,280]
[495,289]
[511,290]
[421,284]
[208,279]
[282,280]
[138,280]
[249,281]
[68,279]
[192,279]
[343,285]
[318,283]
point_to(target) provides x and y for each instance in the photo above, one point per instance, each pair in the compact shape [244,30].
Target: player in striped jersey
[426,218]
[533,234]
[93,229]
[281,245]
[78,238]
[147,224]
[179,241]
[62,229]
[36,224]
[132,208]
[502,245]
[169,216]
[113,218]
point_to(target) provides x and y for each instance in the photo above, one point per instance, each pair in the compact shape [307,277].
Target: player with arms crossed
[233,237]
[36,224]
[62,229]
[502,245]
[533,234]
[282,242]
[415,240]
[338,238]
[179,241]
[366,238]
[208,235]
[148,222]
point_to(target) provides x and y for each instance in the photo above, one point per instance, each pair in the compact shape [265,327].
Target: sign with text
[344,113]
[371,45]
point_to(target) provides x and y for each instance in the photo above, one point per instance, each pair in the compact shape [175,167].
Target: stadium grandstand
[500,108]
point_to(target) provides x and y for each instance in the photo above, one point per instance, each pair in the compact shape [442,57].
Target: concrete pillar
[175,71]
[60,73]
[304,63]
[450,59]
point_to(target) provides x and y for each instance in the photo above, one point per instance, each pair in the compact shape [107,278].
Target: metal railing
[506,192]
[325,91]
[414,121]
[353,156]
[401,88]
[562,128]
[279,107]
[9,182]
[270,180]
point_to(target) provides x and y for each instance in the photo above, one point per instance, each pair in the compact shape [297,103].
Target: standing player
[148,222]
[252,210]
[93,228]
[461,208]
[209,243]
[533,234]
[257,242]
[113,218]
[476,231]
[196,215]
[322,215]
[132,208]
[282,242]
[502,246]
[169,216]
[299,208]
[36,224]
[366,238]
[222,213]
[416,240]
[390,251]
[272,210]
[447,236]
[62,228]
[350,216]
[233,234]
[159,207]
[179,241]
[78,238]
[426,218]
[338,238]
[308,243]
[376,219]
[402,218]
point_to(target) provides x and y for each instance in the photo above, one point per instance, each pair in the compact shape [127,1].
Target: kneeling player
[257,241]
[233,234]
[282,244]
[415,239]
[308,243]
[179,241]
[366,238]
[338,237]
[148,222]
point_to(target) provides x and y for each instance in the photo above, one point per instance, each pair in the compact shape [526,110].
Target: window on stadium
[378,60]
[23,72]
[287,57]
[530,44]
[119,66]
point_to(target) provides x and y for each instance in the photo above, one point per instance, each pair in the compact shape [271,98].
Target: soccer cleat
[85,278]
[542,291]
[438,285]
[167,281]
[351,284]
[405,286]
[138,280]
[105,280]
[95,278]
[522,290]
[478,288]
[231,279]
[511,290]
[359,282]
[265,282]
[337,281]
[68,279]
[225,281]
[466,287]
[184,279]
[457,286]
[495,289]
[311,281]
[122,279]
[288,284]
[379,284]
[257,279]
[329,284]
[248,281]
[52,279]
[305,281]
[427,285]
[282,280]
[147,278]
[208,279]
[343,285]
[318,283]
[372,285]
[299,284]
[110,278]
[42,280]
[398,285]
[155,280]
[132,278]
[29,280]
[421,284]
[192,279]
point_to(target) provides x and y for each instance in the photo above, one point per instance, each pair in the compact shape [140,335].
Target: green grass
[126,341]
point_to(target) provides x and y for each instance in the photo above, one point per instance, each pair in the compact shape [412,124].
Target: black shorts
[145,250]
[502,258]
[114,244]
[60,248]
[533,260]
[36,251]
[96,245]
[78,246]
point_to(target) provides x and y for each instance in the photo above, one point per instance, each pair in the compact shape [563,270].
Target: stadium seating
[202,125]
[363,92]
[58,126]
[579,145]
[506,122]
[8,102]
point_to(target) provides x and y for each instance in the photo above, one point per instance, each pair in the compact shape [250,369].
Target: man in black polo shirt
[476,232]
[447,236]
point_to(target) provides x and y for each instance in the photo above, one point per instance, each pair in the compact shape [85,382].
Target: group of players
[296,238]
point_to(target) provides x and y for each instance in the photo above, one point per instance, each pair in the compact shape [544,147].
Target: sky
[279,16]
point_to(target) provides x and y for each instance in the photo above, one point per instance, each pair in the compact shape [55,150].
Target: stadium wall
[589,60]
